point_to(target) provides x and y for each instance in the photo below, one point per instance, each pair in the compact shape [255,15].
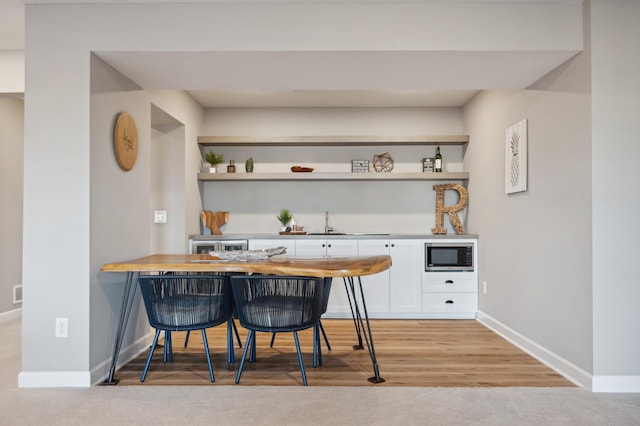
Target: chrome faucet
[327,229]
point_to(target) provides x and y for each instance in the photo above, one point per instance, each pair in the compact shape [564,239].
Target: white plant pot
[212,169]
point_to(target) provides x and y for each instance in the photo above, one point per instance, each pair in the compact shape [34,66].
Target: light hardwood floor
[410,353]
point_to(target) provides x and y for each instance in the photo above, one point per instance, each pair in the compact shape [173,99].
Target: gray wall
[122,203]
[616,199]
[535,245]
[11,168]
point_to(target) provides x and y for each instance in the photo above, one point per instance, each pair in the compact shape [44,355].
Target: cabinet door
[405,283]
[376,286]
[311,248]
[338,300]
[261,244]
[342,248]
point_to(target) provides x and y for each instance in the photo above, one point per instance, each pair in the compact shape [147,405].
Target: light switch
[160,216]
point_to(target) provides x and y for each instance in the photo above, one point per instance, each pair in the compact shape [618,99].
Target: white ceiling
[314,79]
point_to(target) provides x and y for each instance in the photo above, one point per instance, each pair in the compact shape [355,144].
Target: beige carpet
[233,405]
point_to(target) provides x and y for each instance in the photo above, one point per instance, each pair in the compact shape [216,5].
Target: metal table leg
[360,325]
[353,314]
[125,310]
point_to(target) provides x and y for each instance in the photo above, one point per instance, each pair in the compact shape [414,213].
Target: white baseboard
[81,379]
[54,379]
[101,371]
[11,315]
[618,384]
[570,371]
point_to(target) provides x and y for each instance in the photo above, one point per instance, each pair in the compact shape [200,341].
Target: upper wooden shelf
[332,140]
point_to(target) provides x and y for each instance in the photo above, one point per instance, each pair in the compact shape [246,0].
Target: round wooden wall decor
[125,141]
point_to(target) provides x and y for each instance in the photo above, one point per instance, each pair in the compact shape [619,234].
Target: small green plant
[248,165]
[284,217]
[213,158]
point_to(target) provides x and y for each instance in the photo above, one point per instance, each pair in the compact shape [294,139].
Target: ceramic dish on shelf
[299,169]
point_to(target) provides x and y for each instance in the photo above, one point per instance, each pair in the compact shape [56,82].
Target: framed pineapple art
[515,158]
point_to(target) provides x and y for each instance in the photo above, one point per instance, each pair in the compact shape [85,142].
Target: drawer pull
[448,282]
[449,301]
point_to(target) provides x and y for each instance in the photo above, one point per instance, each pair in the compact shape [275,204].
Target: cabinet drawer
[449,302]
[449,282]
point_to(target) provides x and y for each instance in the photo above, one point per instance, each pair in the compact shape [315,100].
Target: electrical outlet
[17,294]
[484,287]
[62,327]
[160,216]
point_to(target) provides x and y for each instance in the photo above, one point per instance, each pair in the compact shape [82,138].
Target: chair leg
[317,346]
[186,339]
[168,347]
[244,355]
[230,349]
[273,339]
[304,376]
[151,350]
[326,340]
[235,329]
[252,356]
[206,351]
[165,348]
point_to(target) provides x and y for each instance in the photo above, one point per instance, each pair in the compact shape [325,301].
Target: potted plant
[284,218]
[213,159]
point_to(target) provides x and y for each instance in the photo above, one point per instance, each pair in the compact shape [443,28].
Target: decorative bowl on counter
[248,254]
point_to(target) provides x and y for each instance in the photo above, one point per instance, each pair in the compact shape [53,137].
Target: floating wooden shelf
[330,176]
[332,140]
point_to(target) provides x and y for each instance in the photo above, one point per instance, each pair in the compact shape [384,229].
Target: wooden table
[349,268]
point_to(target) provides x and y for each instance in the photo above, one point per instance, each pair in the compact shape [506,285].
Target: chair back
[276,303]
[186,302]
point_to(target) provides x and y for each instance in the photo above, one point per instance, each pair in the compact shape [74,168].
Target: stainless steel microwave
[448,256]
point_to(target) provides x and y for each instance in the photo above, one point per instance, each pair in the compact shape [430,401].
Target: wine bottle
[437,167]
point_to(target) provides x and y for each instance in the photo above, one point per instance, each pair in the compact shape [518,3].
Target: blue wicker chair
[232,329]
[275,304]
[185,303]
[319,328]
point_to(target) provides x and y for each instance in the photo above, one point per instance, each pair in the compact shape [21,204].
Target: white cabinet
[451,294]
[321,248]
[405,290]
[338,300]
[405,283]
[398,289]
[261,244]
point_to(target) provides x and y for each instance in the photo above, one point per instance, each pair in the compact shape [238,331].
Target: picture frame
[515,157]
[427,164]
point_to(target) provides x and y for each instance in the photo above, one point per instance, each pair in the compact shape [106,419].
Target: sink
[368,233]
